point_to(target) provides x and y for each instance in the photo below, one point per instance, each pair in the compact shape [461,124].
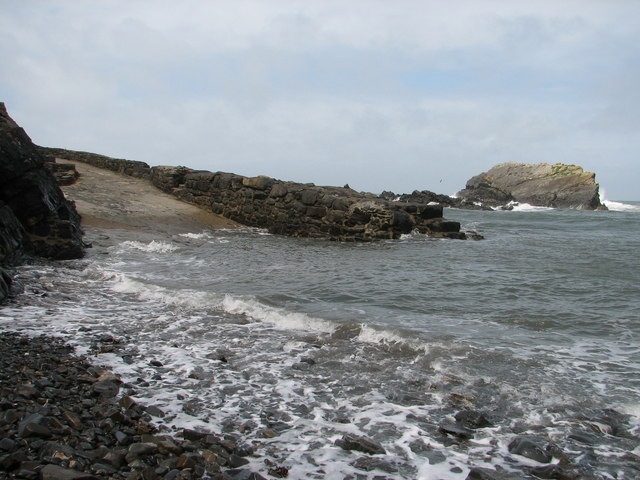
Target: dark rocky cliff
[35,218]
[545,185]
[286,208]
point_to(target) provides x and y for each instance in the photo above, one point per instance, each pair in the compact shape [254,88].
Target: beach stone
[137,450]
[8,444]
[530,448]
[374,463]
[34,418]
[33,429]
[478,473]
[472,419]
[189,460]
[236,461]
[154,411]
[54,472]
[554,472]
[455,430]
[106,388]
[243,474]
[27,391]
[363,444]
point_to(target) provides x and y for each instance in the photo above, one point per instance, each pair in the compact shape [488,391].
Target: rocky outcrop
[545,185]
[426,196]
[286,208]
[35,218]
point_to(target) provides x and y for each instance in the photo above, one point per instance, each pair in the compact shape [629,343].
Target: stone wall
[303,210]
[286,208]
[131,168]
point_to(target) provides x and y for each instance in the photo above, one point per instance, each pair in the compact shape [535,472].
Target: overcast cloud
[396,95]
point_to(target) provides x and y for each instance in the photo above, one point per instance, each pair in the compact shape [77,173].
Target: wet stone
[455,430]
[189,460]
[54,472]
[374,463]
[27,391]
[36,430]
[531,448]
[554,472]
[106,388]
[140,449]
[8,444]
[478,473]
[472,419]
[154,411]
[363,444]
[236,461]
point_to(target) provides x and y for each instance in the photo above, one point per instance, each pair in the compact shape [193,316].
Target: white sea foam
[186,298]
[371,335]
[617,206]
[196,236]
[522,207]
[151,247]
[621,207]
[235,305]
[278,317]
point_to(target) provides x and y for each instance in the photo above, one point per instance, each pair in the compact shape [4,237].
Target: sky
[383,95]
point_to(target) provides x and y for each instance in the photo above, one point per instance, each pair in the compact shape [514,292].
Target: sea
[292,343]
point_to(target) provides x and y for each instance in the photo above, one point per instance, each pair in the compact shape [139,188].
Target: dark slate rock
[106,388]
[54,472]
[374,463]
[8,444]
[455,430]
[472,419]
[236,461]
[554,472]
[350,441]
[478,473]
[531,448]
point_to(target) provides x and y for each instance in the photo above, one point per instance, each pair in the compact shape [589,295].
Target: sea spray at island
[297,342]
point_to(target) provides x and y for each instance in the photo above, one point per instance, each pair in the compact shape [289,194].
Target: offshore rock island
[542,184]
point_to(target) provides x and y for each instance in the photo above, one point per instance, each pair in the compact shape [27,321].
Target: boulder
[542,184]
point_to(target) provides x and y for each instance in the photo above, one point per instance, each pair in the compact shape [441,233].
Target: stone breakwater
[286,208]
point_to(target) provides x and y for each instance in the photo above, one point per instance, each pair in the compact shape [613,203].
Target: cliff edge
[35,218]
[542,184]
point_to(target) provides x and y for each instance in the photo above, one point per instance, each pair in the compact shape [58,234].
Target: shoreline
[66,419]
